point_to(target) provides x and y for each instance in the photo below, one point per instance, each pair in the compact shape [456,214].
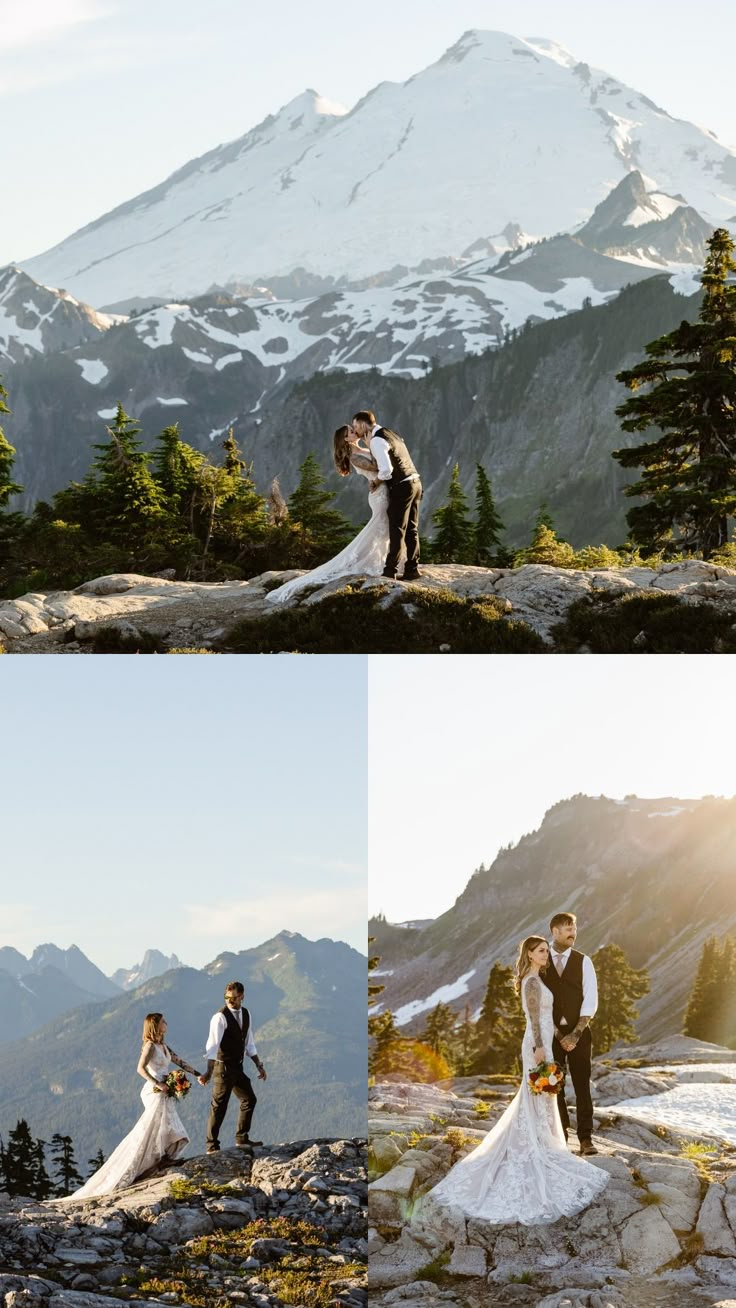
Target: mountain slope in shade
[307,1000]
[76,966]
[505,409]
[498,131]
[31,1000]
[655,876]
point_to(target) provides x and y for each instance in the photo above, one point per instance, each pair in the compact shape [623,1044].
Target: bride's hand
[539,1055]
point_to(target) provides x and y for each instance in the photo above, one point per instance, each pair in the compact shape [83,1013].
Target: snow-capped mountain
[35,319]
[499,131]
[399,329]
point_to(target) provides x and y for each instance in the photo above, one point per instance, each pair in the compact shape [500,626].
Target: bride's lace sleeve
[533,997]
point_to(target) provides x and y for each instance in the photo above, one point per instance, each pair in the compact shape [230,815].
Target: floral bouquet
[546,1079]
[177,1085]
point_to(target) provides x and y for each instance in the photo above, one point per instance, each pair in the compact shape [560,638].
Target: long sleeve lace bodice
[533,1006]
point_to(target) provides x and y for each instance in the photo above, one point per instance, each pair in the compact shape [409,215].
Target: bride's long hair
[523,965]
[341,450]
[152,1028]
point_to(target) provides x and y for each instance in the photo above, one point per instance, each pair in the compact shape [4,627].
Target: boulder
[713,1226]
[389,1196]
[467,1260]
[648,1241]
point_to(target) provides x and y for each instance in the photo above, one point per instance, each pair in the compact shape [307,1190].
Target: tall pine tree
[500,1026]
[487,547]
[322,531]
[453,542]
[619,986]
[8,487]
[67,1176]
[687,386]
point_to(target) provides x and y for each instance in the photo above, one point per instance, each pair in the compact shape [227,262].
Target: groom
[230,1039]
[396,469]
[571,978]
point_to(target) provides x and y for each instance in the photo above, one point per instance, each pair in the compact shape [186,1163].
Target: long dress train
[157,1135]
[365,554]
[522,1171]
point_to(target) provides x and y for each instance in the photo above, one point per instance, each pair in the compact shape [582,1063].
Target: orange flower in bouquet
[177,1085]
[546,1079]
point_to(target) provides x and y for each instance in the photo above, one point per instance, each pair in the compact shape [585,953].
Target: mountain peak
[308,107]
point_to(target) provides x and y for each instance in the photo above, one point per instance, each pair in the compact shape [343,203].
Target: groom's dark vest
[566,989]
[232,1045]
[400,456]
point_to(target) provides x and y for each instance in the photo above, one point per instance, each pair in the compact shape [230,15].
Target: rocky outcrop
[238,1228]
[662,1232]
[185,613]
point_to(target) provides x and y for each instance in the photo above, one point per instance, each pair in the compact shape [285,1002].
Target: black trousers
[403,525]
[578,1064]
[227,1081]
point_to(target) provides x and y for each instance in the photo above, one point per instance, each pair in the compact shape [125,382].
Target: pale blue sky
[104,98]
[191,805]
[491,743]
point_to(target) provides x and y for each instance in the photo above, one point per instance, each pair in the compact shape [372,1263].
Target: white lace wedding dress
[366,553]
[522,1171]
[157,1135]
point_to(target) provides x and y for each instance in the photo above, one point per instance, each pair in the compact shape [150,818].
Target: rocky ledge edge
[663,1232]
[224,1230]
[200,613]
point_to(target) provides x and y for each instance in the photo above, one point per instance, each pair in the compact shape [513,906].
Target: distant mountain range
[307,1000]
[55,981]
[499,134]
[655,876]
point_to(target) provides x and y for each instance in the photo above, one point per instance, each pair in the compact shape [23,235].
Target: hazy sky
[192,805]
[104,98]
[466,754]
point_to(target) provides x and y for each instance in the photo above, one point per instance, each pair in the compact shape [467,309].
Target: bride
[521,1171]
[158,1135]
[367,552]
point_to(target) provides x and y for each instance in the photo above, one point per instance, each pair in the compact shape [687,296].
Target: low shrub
[372,621]
[653,623]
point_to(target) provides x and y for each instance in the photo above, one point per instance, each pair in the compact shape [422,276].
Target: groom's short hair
[562,919]
[365,415]
[234,987]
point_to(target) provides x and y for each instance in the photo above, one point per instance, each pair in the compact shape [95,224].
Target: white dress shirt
[590,983]
[380,451]
[218,1026]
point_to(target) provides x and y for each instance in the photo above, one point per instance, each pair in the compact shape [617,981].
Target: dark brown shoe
[587,1147]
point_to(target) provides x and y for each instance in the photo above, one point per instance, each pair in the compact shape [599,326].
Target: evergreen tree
[322,531]
[453,542]
[703,1015]
[175,466]
[8,487]
[119,500]
[386,1040]
[464,1044]
[500,1027]
[41,1178]
[94,1164]
[62,1151]
[439,1030]
[619,986]
[688,479]
[487,547]
[544,518]
[20,1160]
